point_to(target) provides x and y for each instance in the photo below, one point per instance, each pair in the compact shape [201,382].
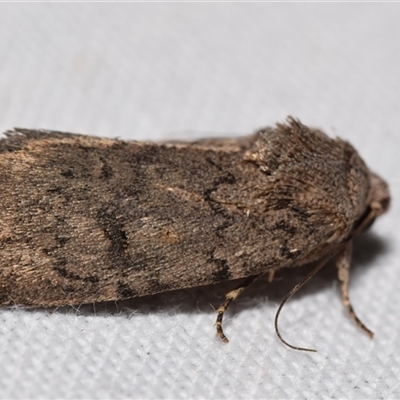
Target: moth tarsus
[229,297]
[87,219]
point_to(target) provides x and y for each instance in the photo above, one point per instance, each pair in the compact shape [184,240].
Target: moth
[86,219]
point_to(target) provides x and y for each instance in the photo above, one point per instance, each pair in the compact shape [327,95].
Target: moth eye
[384,203]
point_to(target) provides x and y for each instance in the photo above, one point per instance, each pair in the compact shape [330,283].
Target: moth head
[378,203]
[379,196]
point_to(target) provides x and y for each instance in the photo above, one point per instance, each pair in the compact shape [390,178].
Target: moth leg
[343,262]
[229,297]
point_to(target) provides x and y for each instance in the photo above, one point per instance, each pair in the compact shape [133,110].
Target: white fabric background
[174,70]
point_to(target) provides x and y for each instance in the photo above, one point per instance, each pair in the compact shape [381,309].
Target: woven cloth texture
[156,71]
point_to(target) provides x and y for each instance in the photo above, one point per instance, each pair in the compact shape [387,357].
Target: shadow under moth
[86,219]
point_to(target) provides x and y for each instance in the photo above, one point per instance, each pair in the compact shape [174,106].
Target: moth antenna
[293,291]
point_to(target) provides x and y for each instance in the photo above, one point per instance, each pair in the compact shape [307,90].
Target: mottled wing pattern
[84,219]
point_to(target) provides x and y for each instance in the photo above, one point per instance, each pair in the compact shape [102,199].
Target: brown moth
[86,219]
